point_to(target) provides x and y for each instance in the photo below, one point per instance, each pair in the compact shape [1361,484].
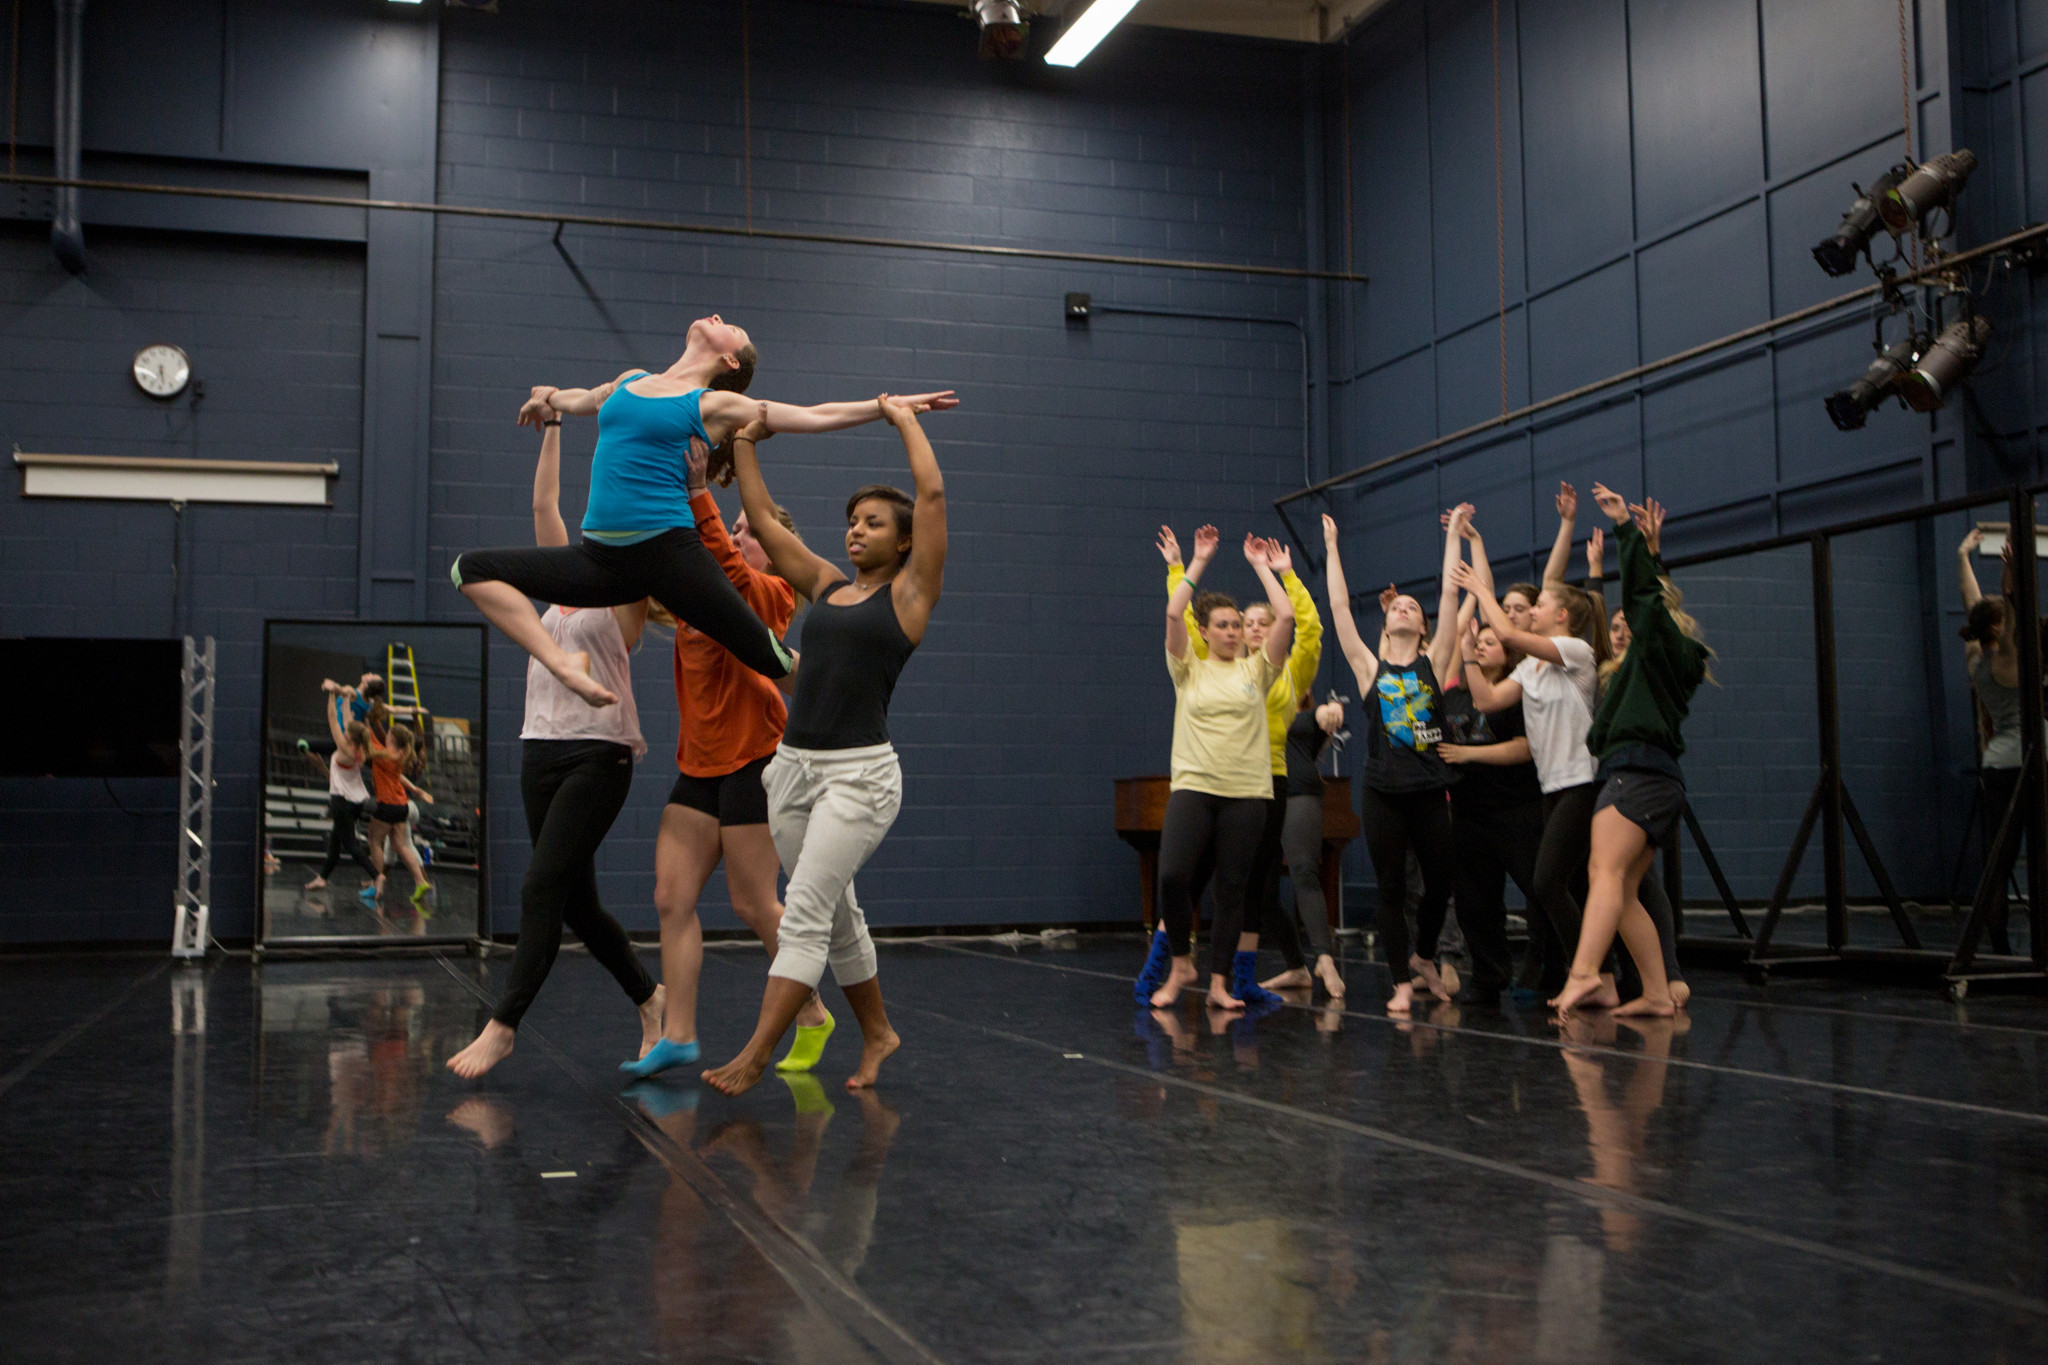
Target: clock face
[162,371]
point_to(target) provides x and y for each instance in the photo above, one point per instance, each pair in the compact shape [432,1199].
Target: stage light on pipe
[1085,32]
[1932,185]
[1945,364]
[1848,408]
[1837,255]
[1004,27]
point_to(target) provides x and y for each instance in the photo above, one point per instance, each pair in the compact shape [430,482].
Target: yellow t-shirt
[1219,725]
[1304,656]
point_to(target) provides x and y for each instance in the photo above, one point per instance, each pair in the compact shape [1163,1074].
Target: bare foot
[650,1018]
[1178,978]
[574,674]
[1680,993]
[873,1052]
[1220,997]
[317,884]
[1332,979]
[737,1076]
[1643,1007]
[1288,980]
[489,1122]
[1403,1002]
[1426,969]
[1585,992]
[492,1046]
[813,1013]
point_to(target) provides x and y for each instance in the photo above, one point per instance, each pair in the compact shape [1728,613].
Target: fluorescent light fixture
[1085,32]
[408,2]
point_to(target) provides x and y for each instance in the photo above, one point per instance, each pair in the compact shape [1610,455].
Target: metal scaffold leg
[194,894]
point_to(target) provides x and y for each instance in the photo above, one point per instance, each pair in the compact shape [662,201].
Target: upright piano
[1141,812]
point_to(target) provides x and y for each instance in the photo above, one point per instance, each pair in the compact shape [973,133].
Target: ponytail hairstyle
[1208,602]
[401,740]
[1585,617]
[1674,607]
[358,735]
[735,380]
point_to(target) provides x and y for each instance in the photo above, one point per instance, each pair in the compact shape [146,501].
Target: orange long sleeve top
[731,715]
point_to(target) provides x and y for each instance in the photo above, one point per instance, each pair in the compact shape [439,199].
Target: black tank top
[1404,719]
[851,658]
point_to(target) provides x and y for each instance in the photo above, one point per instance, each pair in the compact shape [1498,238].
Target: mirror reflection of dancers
[1636,737]
[575,772]
[732,720]
[348,799]
[1404,801]
[834,785]
[1991,658]
[639,536]
[389,840]
[1222,772]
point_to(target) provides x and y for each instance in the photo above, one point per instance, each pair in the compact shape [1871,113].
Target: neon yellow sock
[808,1048]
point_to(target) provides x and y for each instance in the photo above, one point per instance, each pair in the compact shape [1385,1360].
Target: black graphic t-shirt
[1403,726]
[1488,786]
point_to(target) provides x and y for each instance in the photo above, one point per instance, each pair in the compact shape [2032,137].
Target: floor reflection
[1618,1109]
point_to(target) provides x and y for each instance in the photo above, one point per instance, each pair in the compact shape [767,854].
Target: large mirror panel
[373,782]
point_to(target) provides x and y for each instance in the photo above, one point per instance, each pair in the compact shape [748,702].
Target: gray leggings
[1301,842]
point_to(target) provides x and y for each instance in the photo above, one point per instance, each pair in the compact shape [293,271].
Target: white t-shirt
[345,780]
[554,712]
[1557,712]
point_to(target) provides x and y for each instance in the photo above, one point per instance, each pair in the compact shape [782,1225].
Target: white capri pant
[827,812]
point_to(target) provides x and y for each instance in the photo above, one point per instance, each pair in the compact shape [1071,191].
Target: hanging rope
[1906,109]
[747,107]
[1500,214]
[14,92]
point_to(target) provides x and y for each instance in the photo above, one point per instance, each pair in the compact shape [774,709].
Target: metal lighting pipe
[662,225]
[2036,233]
[67,239]
[1300,332]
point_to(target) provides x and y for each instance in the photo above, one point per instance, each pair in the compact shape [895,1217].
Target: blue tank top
[639,483]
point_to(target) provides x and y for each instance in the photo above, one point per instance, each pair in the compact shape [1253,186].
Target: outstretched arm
[724,412]
[1183,594]
[548,526]
[1443,648]
[546,401]
[1973,592]
[1561,549]
[336,728]
[805,571]
[1364,665]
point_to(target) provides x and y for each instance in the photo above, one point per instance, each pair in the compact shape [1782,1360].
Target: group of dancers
[370,777]
[780,766]
[1525,734]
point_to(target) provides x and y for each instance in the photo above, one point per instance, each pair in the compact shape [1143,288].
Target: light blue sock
[660,1057]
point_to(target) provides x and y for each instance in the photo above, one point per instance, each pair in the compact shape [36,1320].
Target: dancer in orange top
[732,719]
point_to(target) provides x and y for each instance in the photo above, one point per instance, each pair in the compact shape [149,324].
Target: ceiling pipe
[67,238]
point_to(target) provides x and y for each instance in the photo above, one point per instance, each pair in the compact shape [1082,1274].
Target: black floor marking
[834,1297]
[62,1040]
[1578,1189]
[1526,1040]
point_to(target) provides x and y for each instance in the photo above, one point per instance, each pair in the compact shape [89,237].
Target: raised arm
[548,526]
[1973,592]
[335,726]
[1183,594]
[1364,665]
[1443,649]
[1561,548]
[804,570]
[1169,549]
[724,412]
[1280,639]
[1542,646]
[1305,656]
[924,573]
[547,402]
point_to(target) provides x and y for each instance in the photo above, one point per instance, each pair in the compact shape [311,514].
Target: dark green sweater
[1647,698]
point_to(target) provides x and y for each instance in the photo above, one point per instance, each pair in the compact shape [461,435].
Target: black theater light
[1848,408]
[1004,27]
[1837,255]
[1932,185]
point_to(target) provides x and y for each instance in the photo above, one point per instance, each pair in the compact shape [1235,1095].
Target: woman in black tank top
[834,785]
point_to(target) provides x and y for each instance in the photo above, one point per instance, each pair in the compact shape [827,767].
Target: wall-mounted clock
[162,370]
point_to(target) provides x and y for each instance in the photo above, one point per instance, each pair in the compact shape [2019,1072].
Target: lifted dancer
[639,535]
[575,770]
[834,785]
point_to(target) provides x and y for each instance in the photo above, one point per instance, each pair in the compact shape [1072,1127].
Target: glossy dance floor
[237,1164]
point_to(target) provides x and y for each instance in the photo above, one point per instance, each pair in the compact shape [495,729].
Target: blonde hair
[1674,606]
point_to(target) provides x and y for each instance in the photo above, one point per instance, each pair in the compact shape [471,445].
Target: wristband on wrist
[557,422]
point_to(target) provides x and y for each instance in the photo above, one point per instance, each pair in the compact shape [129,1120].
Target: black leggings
[1228,829]
[341,837]
[1301,844]
[1396,823]
[1561,863]
[1494,844]
[673,568]
[573,790]
[1262,891]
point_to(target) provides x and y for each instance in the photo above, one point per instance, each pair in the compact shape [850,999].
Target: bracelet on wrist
[557,422]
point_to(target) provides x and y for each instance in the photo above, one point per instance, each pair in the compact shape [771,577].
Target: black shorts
[385,813]
[738,798]
[1653,801]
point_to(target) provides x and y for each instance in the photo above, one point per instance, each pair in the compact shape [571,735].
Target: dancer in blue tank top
[639,537]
